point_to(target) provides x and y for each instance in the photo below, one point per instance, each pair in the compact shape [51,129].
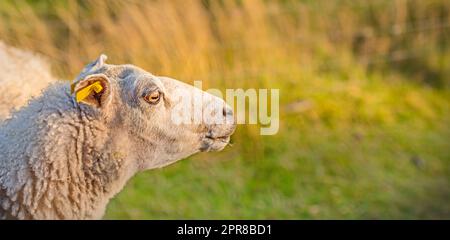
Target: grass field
[364,94]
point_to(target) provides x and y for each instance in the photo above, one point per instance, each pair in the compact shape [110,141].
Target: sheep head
[164,119]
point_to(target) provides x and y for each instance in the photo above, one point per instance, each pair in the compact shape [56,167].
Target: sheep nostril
[227,111]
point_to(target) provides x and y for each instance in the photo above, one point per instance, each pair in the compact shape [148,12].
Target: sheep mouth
[211,143]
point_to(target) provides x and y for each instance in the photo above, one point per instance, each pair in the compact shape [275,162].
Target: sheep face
[165,120]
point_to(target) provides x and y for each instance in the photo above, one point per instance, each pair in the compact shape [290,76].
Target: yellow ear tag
[85,92]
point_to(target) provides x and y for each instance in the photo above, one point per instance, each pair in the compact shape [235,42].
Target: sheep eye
[152,97]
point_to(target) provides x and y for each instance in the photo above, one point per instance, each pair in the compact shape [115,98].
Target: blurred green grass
[365,101]
[393,170]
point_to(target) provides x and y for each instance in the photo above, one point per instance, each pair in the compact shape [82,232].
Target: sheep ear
[92,67]
[94,90]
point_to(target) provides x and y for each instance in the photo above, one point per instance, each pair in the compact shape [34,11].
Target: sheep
[71,149]
[22,75]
